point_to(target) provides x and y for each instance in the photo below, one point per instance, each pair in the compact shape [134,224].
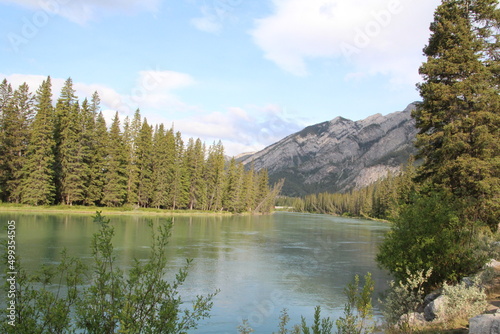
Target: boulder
[485,324]
[435,308]
[412,320]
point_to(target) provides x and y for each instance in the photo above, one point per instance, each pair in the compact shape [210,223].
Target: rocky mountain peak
[339,155]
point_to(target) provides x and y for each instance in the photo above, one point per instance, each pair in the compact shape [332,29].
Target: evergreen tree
[214,175]
[115,188]
[179,190]
[234,180]
[64,136]
[98,155]
[5,97]
[73,153]
[248,191]
[38,185]
[459,118]
[144,154]
[195,160]
[163,148]
[16,122]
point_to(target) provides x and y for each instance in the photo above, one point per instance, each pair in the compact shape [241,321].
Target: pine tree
[115,187]
[98,155]
[179,186]
[17,118]
[38,186]
[214,175]
[163,148]
[144,154]
[459,118]
[73,153]
[248,191]
[195,160]
[130,134]
[5,97]
[232,200]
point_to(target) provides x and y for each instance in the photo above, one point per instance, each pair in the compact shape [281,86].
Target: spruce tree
[115,187]
[99,139]
[195,161]
[17,118]
[459,118]
[179,186]
[214,175]
[38,186]
[97,136]
[163,148]
[144,154]
[5,97]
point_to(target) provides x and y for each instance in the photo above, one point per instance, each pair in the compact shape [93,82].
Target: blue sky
[246,72]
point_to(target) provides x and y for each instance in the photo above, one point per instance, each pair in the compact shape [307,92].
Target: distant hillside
[339,155]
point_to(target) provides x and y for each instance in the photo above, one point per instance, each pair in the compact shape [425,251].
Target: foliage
[404,297]
[139,301]
[67,155]
[429,234]
[358,311]
[462,302]
[379,200]
[458,120]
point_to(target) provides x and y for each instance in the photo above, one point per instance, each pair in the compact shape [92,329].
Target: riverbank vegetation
[68,155]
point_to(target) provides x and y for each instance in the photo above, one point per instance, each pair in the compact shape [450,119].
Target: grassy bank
[84,210]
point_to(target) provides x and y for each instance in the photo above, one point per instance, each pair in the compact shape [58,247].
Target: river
[261,264]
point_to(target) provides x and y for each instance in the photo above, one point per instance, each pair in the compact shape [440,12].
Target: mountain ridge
[340,154]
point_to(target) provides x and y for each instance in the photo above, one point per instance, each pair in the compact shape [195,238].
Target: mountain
[339,155]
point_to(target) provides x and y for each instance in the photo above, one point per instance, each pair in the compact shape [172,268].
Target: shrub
[404,297]
[430,234]
[462,302]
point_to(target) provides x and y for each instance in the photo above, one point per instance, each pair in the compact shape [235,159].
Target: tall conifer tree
[17,118]
[38,185]
[115,187]
[459,119]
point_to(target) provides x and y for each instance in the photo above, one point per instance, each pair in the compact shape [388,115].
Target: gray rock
[485,324]
[435,309]
[339,155]
[412,320]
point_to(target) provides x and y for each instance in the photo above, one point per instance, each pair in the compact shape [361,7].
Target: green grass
[80,209]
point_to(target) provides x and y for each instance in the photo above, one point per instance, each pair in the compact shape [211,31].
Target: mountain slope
[339,155]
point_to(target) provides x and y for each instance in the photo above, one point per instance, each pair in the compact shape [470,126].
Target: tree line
[380,200]
[66,154]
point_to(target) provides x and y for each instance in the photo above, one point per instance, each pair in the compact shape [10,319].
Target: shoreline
[106,211]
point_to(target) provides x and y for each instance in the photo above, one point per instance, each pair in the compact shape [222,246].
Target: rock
[493,264]
[485,324]
[412,320]
[435,308]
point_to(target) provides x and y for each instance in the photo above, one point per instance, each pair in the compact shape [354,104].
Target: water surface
[261,264]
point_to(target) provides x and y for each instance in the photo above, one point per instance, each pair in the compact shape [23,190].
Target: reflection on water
[261,264]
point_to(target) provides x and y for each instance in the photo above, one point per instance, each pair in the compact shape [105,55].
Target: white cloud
[242,130]
[81,11]
[373,36]
[208,22]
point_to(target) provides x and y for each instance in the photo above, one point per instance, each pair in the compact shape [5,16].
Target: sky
[245,72]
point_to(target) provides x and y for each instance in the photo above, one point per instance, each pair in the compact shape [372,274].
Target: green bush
[404,297]
[430,234]
[462,302]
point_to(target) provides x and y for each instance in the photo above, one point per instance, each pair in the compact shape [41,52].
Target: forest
[65,153]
